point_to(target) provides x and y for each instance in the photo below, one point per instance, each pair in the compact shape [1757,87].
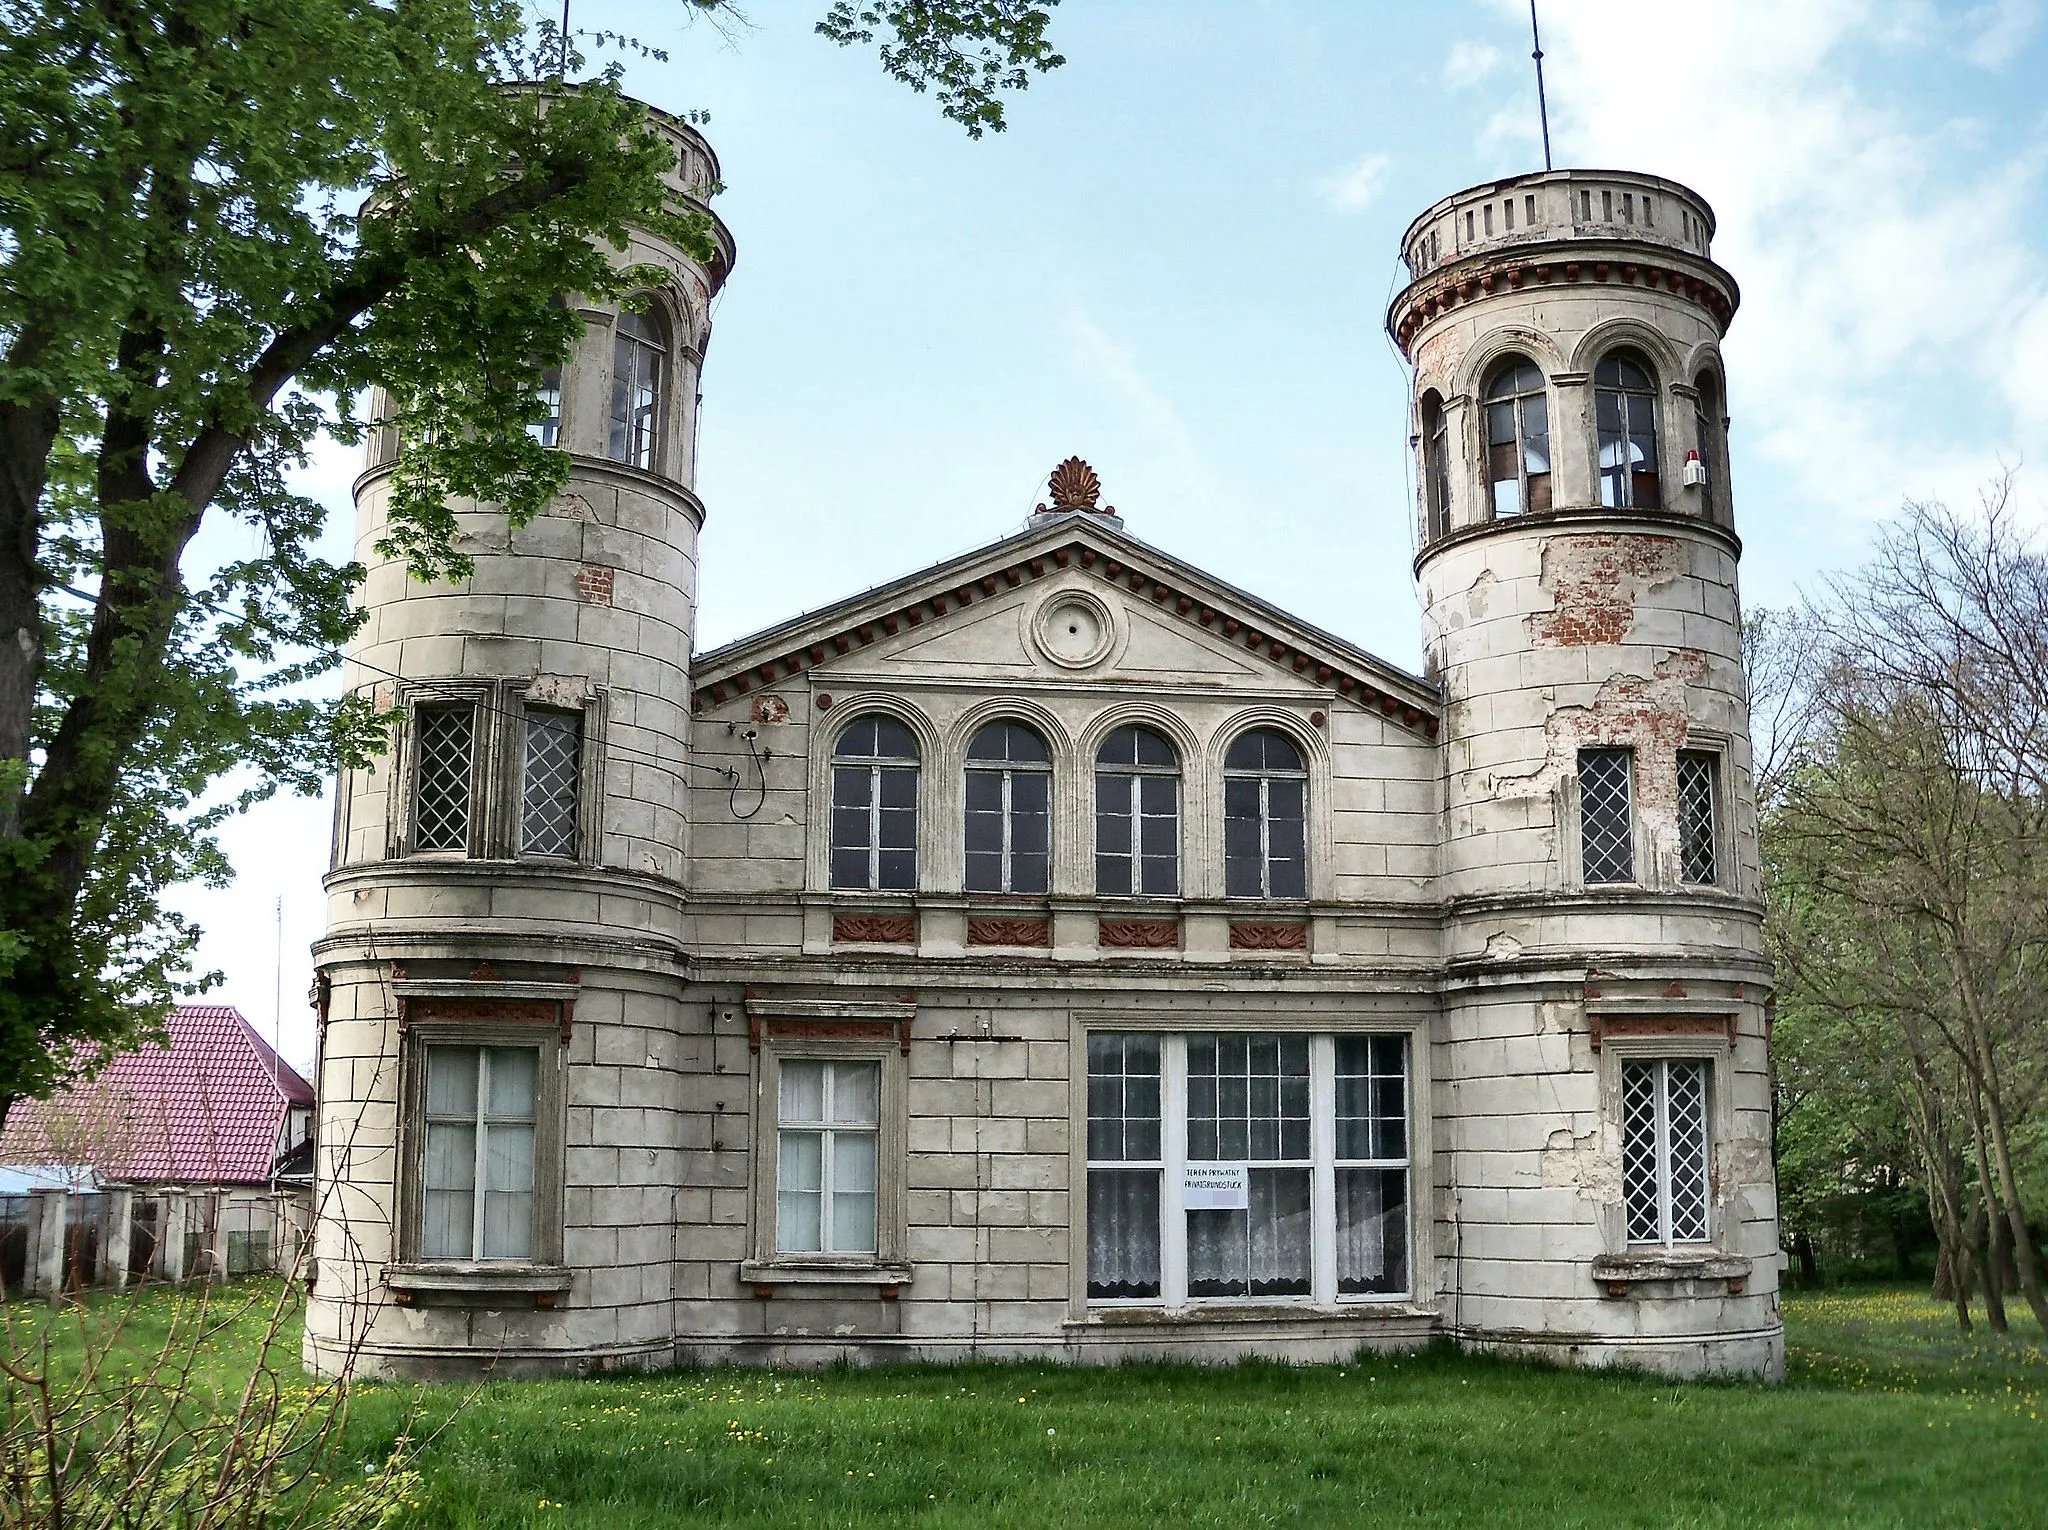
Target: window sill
[1277,1310]
[543,1282]
[1621,1274]
[820,1272]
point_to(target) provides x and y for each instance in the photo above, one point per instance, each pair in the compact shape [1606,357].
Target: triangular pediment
[1073,597]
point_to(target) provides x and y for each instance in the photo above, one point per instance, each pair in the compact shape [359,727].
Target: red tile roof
[207,1108]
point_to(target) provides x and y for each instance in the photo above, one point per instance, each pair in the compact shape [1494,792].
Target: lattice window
[1664,1155]
[443,755]
[1696,799]
[548,799]
[1606,818]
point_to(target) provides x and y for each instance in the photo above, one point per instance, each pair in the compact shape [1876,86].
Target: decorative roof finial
[1074,486]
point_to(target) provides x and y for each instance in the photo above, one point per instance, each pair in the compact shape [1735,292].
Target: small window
[444,760]
[1265,818]
[1137,815]
[1489,219]
[1125,1167]
[1606,206]
[1009,810]
[478,1178]
[826,1185]
[1664,1157]
[638,356]
[1607,815]
[1625,404]
[1518,439]
[874,808]
[1697,793]
[548,428]
[1529,206]
[552,784]
[1436,465]
[1585,206]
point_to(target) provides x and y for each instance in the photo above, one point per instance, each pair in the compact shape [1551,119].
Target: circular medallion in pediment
[1075,629]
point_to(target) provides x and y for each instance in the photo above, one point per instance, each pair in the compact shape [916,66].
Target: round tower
[1603,1057]
[501,1132]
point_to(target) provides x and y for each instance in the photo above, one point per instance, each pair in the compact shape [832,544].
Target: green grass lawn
[1889,1418]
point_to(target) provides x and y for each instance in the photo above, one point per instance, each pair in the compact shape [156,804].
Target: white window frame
[768,1264]
[1009,770]
[1323,1162]
[829,1129]
[873,766]
[1662,1063]
[1129,779]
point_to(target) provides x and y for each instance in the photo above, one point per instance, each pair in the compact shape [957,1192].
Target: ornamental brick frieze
[1009,932]
[1138,934]
[1268,937]
[878,929]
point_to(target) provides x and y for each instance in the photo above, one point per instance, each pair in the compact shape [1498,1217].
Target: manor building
[1059,952]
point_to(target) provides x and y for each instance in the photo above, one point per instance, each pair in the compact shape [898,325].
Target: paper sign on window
[1215,1187]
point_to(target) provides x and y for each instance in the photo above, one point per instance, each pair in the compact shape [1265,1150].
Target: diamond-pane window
[442,757]
[1664,1158]
[547,817]
[1696,818]
[1606,821]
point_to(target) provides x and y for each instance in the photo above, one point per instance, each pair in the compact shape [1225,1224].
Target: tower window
[1649,211]
[1697,803]
[444,752]
[1436,465]
[1529,206]
[1009,810]
[548,428]
[1518,439]
[874,808]
[1137,815]
[638,353]
[478,1173]
[1606,206]
[1607,815]
[1664,1150]
[1706,425]
[1585,206]
[1507,208]
[1488,210]
[1468,225]
[1265,818]
[1625,407]
[551,784]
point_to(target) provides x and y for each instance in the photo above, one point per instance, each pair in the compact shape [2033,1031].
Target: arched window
[638,356]
[1137,815]
[1436,465]
[1625,406]
[1518,439]
[1265,818]
[548,390]
[1707,431]
[1009,810]
[874,808]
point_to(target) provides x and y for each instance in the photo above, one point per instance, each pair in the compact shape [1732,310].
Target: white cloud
[2000,30]
[1882,349]
[1353,190]
[1469,63]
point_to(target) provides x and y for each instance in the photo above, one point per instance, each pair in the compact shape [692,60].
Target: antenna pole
[563,72]
[1542,106]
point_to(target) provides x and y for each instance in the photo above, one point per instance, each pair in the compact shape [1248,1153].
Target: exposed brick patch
[1139,934]
[594,584]
[1009,932]
[1594,580]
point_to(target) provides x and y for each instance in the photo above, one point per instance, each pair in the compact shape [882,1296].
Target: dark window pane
[1113,876]
[899,788]
[1159,794]
[1289,879]
[984,791]
[899,871]
[984,871]
[899,829]
[1154,750]
[1241,800]
[1028,873]
[850,869]
[850,828]
[859,739]
[850,786]
[893,740]
[1161,875]
[1030,791]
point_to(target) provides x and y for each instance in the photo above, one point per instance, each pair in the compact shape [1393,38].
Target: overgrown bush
[148,1413]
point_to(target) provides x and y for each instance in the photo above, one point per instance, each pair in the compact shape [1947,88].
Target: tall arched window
[1625,407]
[1265,818]
[1436,465]
[1137,815]
[1707,430]
[1009,810]
[1518,439]
[874,808]
[638,357]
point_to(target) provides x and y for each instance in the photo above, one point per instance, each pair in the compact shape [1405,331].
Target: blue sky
[1176,264]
